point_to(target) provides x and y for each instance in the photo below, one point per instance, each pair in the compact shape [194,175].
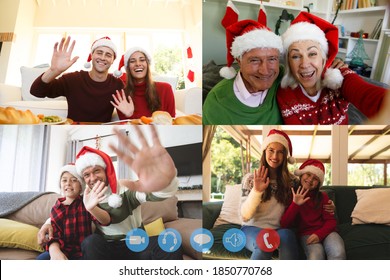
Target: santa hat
[310,27]
[88,157]
[313,166]
[243,36]
[125,59]
[280,137]
[71,168]
[102,42]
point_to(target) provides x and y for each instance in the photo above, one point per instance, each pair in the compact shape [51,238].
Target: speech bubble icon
[202,238]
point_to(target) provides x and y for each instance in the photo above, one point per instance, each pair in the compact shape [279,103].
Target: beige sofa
[18,231]
[188,101]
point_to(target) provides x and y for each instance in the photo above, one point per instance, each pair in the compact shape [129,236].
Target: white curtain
[74,146]
[23,157]
[123,171]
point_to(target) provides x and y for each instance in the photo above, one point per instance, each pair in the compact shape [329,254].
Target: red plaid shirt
[71,224]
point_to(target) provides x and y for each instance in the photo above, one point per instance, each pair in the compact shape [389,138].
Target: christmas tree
[358,54]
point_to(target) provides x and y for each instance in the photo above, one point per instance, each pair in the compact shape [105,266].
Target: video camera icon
[137,240]
[234,240]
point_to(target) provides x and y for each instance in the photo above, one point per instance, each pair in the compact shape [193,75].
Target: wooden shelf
[362,10]
[270,4]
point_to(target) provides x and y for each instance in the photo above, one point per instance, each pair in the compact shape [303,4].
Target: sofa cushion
[18,235]
[37,211]
[372,207]
[154,228]
[29,74]
[369,241]
[230,207]
[166,209]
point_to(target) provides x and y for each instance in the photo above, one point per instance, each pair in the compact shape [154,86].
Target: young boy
[72,218]
[316,227]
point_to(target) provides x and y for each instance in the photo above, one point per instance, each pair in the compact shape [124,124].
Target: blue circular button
[169,240]
[202,240]
[234,240]
[137,240]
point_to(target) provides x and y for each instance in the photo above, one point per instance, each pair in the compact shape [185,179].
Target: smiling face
[259,68]
[306,63]
[93,174]
[70,186]
[275,153]
[138,66]
[102,59]
[309,181]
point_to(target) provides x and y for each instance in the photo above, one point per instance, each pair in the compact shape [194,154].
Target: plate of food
[51,119]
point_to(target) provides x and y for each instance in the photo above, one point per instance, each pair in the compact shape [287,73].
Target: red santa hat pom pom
[118,72]
[314,167]
[115,200]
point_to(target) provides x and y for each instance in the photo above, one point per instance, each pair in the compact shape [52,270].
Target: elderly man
[88,93]
[157,181]
[249,98]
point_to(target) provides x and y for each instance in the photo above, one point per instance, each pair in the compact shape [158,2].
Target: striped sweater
[128,215]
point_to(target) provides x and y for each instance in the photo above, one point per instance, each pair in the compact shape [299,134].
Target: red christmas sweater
[310,219]
[88,100]
[332,105]
[164,91]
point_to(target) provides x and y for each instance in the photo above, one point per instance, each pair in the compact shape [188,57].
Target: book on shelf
[376,32]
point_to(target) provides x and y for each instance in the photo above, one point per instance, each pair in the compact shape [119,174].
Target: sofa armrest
[211,211]
[9,93]
[186,227]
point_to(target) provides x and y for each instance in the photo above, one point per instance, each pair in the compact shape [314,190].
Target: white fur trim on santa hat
[87,65]
[115,200]
[228,72]
[130,51]
[304,31]
[313,170]
[71,169]
[333,78]
[278,139]
[104,43]
[87,160]
[258,38]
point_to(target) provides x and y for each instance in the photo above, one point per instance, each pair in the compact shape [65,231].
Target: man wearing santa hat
[157,181]
[88,93]
[249,96]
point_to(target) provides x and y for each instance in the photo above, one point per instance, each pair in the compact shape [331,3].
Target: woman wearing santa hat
[141,96]
[316,227]
[313,93]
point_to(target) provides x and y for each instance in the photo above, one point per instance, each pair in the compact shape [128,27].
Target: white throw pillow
[29,74]
[172,80]
[231,207]
[372,206]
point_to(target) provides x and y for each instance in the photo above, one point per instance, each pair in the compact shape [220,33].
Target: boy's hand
[313,239]
[45,234]
[92,197]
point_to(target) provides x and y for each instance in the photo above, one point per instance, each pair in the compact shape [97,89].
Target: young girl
[265,201]
[71,218]
[316,227]
[141,96]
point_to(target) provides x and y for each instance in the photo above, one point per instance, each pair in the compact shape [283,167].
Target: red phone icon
[268,240]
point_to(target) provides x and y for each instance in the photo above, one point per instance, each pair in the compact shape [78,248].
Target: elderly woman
[141,96]
[313,93]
